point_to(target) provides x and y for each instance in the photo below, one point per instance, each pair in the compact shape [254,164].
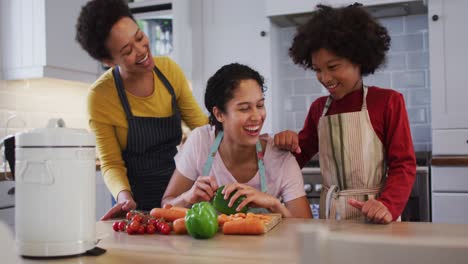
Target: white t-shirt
[282,173]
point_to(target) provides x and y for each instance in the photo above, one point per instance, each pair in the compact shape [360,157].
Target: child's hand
[288,140]
[374,210]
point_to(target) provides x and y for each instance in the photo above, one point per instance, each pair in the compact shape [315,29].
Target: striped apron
[352,161]
[151,147]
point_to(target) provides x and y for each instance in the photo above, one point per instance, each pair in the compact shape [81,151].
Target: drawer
[450,208]
[449,179]
[5,198]
[450,142]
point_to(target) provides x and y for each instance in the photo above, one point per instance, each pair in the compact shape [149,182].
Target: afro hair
[95,23]
[349,32]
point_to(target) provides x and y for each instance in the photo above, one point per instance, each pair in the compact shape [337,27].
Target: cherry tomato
[150,229]
[135,225]
[130,215]
[153,221]
[115,226]
[137,218]
[131,231]
[141,230]
[158,226]
[164,228]
[122,226]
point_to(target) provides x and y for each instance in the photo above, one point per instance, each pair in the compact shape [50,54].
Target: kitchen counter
[449,161]
[280,245]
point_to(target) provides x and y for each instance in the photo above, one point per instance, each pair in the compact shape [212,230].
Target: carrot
[222,218]
[182,209]
[250,226]
[179,226]
[170,206]
[167,214]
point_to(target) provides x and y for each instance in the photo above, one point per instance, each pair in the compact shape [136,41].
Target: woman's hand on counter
[124,204]
[375,211]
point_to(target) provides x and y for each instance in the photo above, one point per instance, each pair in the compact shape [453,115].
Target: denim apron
[151,146]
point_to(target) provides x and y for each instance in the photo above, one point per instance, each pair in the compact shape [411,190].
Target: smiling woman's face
[245,113]
[129,47]
[338,75]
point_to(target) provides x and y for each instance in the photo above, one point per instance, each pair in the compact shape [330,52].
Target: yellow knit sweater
[108,121]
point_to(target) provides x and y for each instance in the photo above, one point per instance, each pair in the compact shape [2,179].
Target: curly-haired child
[361,132]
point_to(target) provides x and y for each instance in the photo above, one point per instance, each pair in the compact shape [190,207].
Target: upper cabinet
[448,39]
[281,7]
[226,31]
[38,40]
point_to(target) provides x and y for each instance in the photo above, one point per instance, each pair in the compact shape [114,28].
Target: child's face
[338,75]
[129,47]
[245,113]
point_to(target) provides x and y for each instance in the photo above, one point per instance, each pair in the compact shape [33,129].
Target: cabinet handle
[263,33]
[435,17]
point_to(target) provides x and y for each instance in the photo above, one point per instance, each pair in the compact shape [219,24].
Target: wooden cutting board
[250,224]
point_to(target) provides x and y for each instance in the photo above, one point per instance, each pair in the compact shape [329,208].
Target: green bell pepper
[222,206]
[201,220]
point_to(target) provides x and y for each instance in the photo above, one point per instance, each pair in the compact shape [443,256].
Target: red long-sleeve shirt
[389,119]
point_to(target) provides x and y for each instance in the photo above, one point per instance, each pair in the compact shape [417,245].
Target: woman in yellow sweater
[135,108]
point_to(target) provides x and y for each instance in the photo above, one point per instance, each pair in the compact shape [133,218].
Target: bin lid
[55,135]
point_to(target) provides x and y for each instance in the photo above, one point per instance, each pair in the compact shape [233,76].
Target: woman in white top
[230,152]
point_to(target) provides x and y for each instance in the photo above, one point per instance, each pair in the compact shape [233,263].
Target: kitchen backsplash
[407,71]
[31,103]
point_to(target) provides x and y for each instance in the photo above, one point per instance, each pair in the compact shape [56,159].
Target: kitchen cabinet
[38,40]
[226,32]
[449,194]
[103,196]
[281,7]
[448,39]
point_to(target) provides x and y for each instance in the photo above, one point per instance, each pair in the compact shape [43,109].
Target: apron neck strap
[214,150]
[330,99]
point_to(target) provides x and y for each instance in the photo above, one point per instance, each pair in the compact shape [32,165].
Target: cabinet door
[65,58]
[235,31]
[448,40]
[449,179]
[232,33]
[103,196]
[450,208]
[38,40]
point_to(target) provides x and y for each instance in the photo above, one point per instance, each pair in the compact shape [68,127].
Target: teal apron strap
[214,149]
[261,167]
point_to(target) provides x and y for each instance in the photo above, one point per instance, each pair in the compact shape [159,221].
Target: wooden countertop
[280,245]
[449,161]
